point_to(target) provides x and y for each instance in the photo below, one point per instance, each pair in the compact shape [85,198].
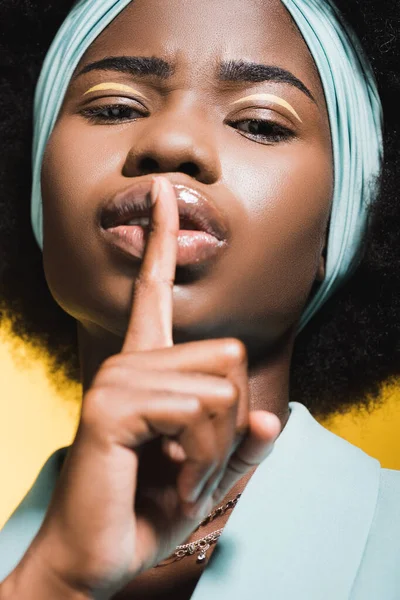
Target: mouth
[203,232]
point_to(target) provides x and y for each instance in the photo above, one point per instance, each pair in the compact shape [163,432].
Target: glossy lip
[195,249]
[193,206]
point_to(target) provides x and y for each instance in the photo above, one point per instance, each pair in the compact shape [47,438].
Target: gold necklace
[218,512]
[203,544]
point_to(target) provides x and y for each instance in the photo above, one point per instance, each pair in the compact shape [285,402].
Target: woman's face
[250,138]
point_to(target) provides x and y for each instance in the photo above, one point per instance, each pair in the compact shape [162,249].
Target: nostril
[149,165]
[189,168]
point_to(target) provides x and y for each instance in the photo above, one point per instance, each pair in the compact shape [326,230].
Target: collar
[301,525]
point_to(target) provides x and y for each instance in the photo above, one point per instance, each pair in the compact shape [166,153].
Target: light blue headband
[354,109]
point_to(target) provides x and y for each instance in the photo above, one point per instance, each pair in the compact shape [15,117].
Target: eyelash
[93,114]
[275,133]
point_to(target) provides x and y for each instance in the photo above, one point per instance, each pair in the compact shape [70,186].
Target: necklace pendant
[202,556]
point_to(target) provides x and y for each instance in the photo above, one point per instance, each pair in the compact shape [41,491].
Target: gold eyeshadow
[126,88]
[114,86]
[270,98]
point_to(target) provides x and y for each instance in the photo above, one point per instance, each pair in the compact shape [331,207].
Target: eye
[262,130]
[111,113]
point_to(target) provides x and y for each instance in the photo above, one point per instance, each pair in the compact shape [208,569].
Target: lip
[194,247]
[193,205]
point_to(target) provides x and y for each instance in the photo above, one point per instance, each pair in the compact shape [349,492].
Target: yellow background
[35,420]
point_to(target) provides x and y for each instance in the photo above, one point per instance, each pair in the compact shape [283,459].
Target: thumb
[256,445]
[264,428]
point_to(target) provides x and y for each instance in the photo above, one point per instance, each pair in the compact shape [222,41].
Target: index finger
[150,323]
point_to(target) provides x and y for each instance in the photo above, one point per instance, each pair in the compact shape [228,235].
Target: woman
[274,151]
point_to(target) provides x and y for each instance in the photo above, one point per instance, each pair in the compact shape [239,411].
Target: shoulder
[324,446]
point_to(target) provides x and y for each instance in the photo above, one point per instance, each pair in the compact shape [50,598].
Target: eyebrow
[240,70]
[140,66]
[235,71]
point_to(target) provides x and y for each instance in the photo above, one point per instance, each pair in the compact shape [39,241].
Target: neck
[268,376]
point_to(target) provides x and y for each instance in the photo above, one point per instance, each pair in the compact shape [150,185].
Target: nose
[174,141]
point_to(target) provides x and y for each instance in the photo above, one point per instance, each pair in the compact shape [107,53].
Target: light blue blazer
[319,520]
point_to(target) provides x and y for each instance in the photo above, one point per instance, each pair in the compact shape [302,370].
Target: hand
[165,433]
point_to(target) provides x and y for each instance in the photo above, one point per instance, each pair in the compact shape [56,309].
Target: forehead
[196,34]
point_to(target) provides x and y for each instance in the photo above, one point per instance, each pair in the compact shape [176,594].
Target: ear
[321,273]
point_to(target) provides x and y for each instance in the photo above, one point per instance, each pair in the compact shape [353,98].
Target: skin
[275,193]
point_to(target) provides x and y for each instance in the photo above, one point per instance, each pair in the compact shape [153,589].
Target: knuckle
[111,362]
[235,349]
[108,366]
[106,375]
[197,410]
[230,394]
[96,409]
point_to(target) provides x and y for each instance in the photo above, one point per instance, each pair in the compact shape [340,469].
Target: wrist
[31,580]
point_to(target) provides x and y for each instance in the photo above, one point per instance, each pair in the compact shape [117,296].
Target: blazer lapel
[301,525]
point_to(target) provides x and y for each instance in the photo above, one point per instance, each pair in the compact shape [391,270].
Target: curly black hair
[347,351]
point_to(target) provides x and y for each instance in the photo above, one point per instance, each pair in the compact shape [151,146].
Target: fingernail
[175,450]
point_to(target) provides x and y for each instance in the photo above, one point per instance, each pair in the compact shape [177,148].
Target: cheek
[287,193]
[76,166]
[78,170]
